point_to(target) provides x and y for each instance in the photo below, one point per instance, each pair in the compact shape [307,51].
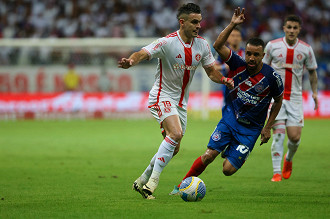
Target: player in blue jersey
[245,110]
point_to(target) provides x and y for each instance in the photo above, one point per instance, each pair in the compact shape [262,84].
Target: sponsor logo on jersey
[248,83]
[280,56]
[178,56]
[259,88]
[293,66]
[183,67]
[278,79]
[198,57]
[159,44]
[246,97]
[216,136]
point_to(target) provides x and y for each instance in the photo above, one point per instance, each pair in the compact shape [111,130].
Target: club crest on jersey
[259,88]
[198,57]
[299,56]
[216,136]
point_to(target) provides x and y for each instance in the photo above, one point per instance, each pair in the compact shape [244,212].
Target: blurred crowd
[150,18]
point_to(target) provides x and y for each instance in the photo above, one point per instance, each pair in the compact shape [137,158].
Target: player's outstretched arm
[313,82]
[134,59]
[217,77]
[266,131]
[219,44]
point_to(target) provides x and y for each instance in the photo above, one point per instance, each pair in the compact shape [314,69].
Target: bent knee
[227,172]
[176,135]
[295,139]
[228,168]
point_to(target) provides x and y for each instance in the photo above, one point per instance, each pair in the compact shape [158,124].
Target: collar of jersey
[183,43]
[288,46]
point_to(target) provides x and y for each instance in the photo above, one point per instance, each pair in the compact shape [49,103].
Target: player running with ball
[246,106]
[178,55]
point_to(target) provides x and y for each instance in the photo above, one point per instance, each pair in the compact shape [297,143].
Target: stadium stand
[38,70]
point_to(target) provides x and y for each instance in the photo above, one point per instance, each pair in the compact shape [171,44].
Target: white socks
[163,156]
[292,148]
[277,145]
[160,160]
[147,173]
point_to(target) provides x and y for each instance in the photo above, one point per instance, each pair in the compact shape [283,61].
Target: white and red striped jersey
[177,63]
[289,62]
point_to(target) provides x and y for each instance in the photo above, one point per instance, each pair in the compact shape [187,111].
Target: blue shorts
[239,145]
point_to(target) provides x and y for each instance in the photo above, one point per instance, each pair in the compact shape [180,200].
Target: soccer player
[246,107]
[178,54]
[289,56]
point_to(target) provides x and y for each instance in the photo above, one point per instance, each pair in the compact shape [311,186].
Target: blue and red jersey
[248,102]
[240,52]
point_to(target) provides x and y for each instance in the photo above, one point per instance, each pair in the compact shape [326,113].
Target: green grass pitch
[85,169]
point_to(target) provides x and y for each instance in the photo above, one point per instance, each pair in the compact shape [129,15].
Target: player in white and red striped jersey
[289,56]
[178,55]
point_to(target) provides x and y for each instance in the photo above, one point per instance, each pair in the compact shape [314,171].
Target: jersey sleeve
[156,48]
[208,58]
[310,62]
[235,62]
[277,87]
[268,57]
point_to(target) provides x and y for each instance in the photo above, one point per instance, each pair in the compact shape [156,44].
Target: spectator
[71,79]
[124,18]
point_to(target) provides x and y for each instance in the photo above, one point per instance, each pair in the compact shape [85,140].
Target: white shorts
[166,108]
[292,113]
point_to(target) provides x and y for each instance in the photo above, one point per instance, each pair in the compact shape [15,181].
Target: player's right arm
[134,59]
[219,44]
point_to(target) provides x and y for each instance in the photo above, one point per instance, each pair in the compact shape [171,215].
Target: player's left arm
[266,131]
[217,77]
[313,82]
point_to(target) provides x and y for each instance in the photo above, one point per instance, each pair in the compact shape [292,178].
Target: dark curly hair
[188,9]
[256,42]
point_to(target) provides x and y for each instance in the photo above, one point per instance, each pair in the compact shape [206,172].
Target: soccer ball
[192,189]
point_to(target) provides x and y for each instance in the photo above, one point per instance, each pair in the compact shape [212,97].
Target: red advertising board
[123,103]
